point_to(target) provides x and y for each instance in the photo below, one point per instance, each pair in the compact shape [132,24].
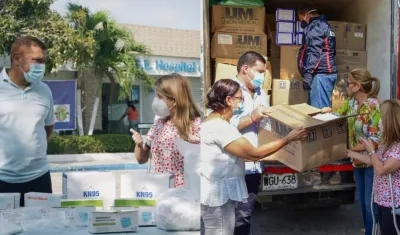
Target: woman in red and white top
[178,117]
[386,161]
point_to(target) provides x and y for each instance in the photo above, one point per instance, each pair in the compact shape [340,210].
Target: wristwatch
[370,153]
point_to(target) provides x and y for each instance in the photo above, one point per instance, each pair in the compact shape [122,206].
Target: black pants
[386,222]
[39,185]
[244,211]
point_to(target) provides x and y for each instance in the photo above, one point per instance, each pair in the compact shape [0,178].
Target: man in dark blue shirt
[316,59]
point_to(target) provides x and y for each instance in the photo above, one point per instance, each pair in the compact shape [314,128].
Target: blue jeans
[218,220]
[322,87]
[364,183]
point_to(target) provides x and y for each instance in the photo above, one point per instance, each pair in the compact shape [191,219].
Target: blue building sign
[166,65]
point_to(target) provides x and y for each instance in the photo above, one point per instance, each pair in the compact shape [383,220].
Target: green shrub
[105,143]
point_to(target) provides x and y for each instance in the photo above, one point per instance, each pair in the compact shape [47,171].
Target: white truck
[327,183]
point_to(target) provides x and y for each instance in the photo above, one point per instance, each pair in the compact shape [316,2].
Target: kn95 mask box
[90,185]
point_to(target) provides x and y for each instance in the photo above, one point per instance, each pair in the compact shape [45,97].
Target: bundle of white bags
[178,209]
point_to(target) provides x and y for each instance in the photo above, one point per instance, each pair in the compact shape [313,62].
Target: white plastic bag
[191,166]
[176,210]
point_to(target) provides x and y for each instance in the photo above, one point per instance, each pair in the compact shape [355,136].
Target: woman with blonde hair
[362,101]
[386,163]
[178,117]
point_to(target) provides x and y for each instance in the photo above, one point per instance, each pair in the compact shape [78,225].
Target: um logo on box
[248,40]
[235,13]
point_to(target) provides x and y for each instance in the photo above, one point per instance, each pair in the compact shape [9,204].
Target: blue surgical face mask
[239,108]
[35,73]
[258,80]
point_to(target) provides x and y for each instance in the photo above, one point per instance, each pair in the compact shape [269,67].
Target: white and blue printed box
[145,185]
[299,38]
[90,185]
[285,15]
[299,29]
[285,39]
[285,27]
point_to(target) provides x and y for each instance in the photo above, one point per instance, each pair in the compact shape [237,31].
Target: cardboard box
[285,38]
[9,200]
[144,185]
[114,221]
[326,143]
[350,36]
[288,63]
[288,92]
[288,15]
[42,200]
[356,36]
[90,185]
[236,19]
[227,68]
[146,212]
[285,27]
[351,58]
[339,28]
[233,45]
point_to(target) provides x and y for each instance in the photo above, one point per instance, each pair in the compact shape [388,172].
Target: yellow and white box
[90,185]
[95,203]
[114,221]
[42,200]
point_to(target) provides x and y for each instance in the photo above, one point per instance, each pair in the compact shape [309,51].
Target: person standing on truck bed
[251,68]
[316,59]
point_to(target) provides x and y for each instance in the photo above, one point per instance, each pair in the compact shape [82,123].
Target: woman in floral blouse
[385,161]
[178,116]
[362,91]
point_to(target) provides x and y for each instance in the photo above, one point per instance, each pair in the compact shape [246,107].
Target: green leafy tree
[35,18]
[114,57]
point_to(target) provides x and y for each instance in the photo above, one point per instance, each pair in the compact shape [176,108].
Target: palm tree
[114,56]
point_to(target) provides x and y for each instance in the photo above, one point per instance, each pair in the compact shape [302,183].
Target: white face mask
[160,108]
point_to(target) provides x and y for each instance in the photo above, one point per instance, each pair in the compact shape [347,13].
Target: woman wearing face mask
[178,117]
[223,152]
[362,90]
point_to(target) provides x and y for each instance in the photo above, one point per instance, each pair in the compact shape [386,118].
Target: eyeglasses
[241,98]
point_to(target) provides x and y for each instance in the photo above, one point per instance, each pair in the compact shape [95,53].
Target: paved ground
[345,220]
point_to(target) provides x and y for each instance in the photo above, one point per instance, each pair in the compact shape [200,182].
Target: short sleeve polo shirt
[23,140]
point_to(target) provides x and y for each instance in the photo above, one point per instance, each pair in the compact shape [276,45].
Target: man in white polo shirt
[251,70]
[26,120]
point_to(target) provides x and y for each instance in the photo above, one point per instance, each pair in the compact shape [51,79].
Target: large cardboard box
[356,36]
[351,57]
[227,68]
[288,92]
[350,36]
[326,142]
[288,62]
[236,19]
[233,45]
[340,33]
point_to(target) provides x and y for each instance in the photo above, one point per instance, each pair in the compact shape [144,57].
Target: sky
[177,14]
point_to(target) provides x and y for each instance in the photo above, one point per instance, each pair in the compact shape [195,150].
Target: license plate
[281,181]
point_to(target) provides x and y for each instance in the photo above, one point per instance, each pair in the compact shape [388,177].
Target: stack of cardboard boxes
[237,30]
[287,86]
[350,54]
